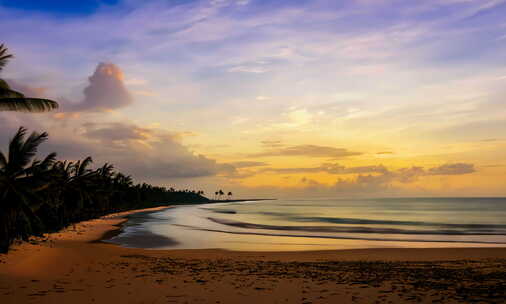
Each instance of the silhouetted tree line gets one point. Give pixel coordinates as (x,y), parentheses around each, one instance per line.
(39,196)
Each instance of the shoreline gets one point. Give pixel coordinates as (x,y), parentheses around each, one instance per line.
(109,234)
(380,253)
(241,200)
(76,265)
(183,236)
(117,229)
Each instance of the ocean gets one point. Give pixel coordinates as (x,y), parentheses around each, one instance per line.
(322,224)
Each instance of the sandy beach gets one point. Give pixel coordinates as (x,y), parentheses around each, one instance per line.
(74,266)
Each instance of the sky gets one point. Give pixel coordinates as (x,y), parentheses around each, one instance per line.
(270,98)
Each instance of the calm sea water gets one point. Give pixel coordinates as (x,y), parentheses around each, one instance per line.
(316,224)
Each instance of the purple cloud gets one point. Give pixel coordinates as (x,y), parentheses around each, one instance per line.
(106,90)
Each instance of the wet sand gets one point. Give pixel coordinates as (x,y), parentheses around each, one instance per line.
(73,267)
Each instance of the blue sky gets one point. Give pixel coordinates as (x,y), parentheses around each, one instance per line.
(58,7)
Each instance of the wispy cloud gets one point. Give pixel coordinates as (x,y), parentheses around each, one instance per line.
(248,164)
(407,174)
(308,151)
(330,168)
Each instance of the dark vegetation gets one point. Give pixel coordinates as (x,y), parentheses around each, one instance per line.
(38,196)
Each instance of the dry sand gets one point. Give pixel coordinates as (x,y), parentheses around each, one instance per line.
(72,267)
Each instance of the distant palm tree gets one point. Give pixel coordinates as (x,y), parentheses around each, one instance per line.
(123,180)
(11,100)
(220,193)
(216,195)
(229,195)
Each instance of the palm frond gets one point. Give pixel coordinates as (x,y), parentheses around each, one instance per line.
(21,151)
(68,167)
(48,161)
(106,170)
(11,100)
(15,147)
(30,146)
(4,56)
(37,174)
(7,92)
(3,161)
(128,180)
(27,104)
(82,169)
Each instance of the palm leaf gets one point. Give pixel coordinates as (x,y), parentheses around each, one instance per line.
(106,171)
(11,100)
(4,56)
(15,146)
(82,169)
(45,164)
(7,92)
(27,104)
(21,151)
(3,161)
(29,148)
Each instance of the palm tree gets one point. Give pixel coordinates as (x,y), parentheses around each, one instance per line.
(21,179)
(123,180)
(11,100)
(229,195)
(76,183)
(15,168)
(220,193)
